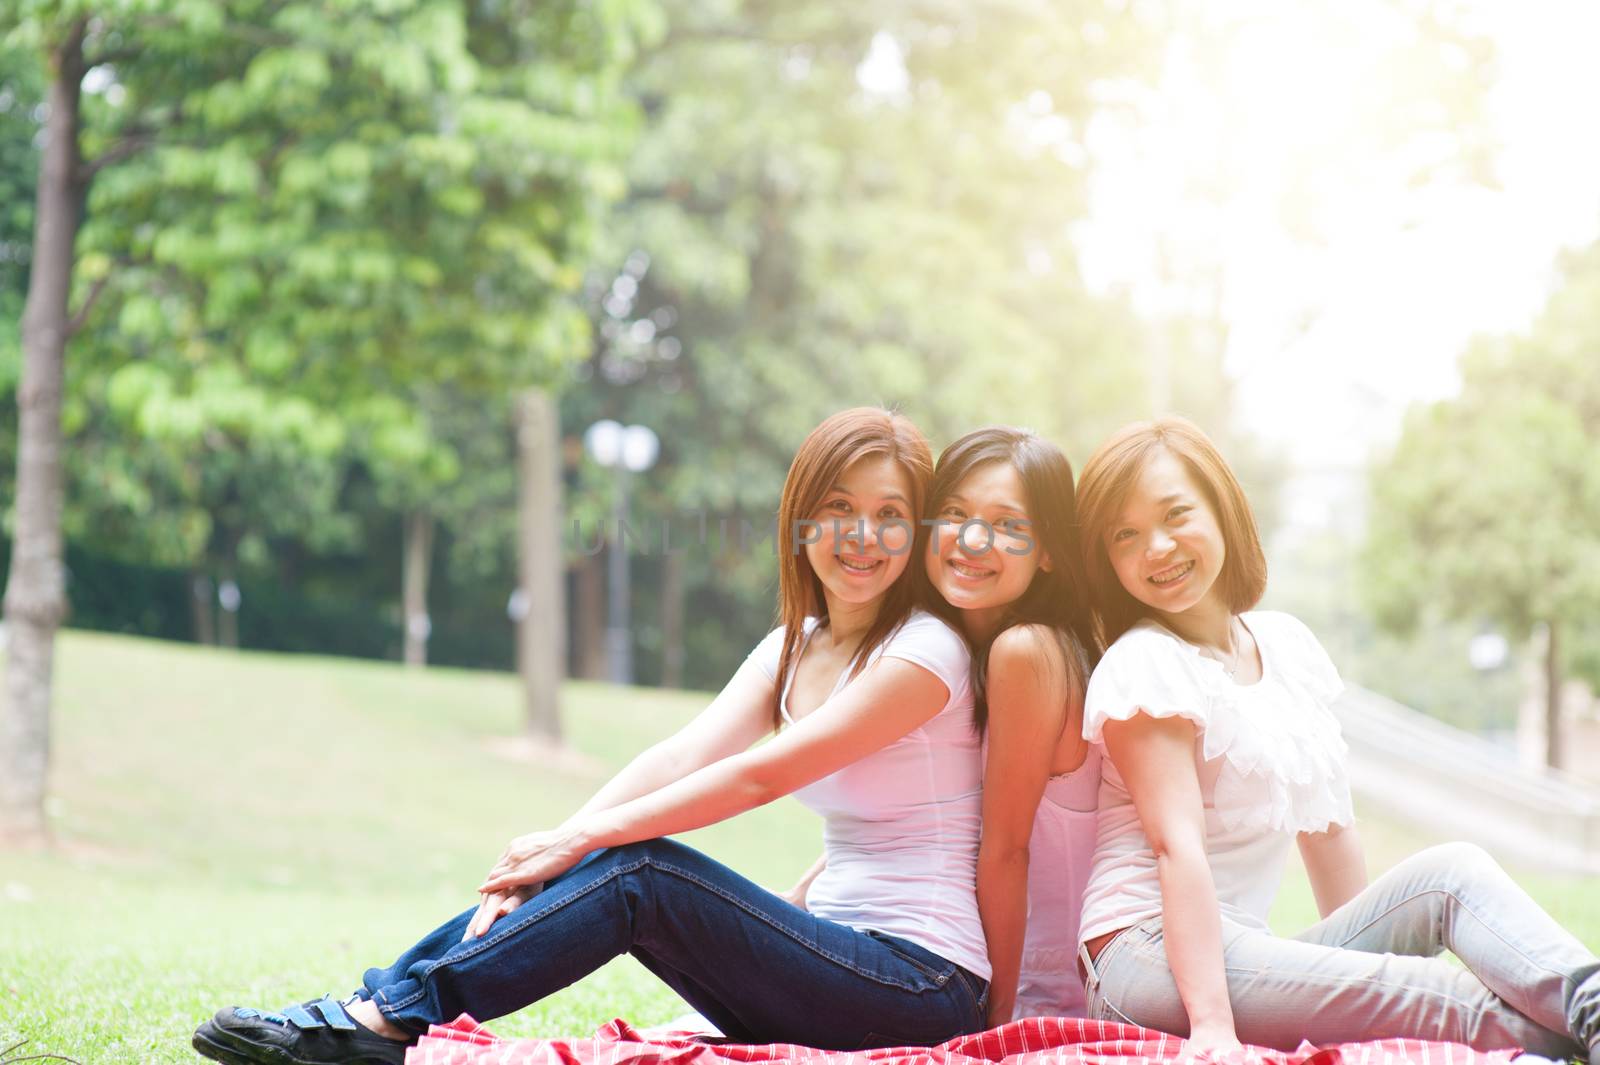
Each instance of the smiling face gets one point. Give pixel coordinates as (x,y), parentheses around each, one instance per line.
(1165,544)
(983,555)
(863,533)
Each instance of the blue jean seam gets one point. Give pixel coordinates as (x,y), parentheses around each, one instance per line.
(386,1006)
(814,948)
(510,929)
(891,943)
(961,978)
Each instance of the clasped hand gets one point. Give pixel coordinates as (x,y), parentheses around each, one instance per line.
(520,872)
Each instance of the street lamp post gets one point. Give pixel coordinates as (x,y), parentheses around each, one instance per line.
(628,450)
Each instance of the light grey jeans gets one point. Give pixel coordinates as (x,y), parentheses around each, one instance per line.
(1370,971)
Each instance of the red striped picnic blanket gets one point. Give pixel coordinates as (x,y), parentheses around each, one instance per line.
(1033,1041)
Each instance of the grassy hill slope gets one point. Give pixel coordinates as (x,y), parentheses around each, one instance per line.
(251,828)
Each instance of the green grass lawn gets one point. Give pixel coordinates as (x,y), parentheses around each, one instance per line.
(247,828)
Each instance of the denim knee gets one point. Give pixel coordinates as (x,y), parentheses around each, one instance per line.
(644,852)
(610,856)
(1460,862)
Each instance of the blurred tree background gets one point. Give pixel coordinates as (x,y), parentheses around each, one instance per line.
(21,85)
(1487,513)
(332,242)
(328,243)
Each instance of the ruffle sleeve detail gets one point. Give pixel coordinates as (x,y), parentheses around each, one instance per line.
(1282,755)
(1308,657)
(1147,671)
(1289,737)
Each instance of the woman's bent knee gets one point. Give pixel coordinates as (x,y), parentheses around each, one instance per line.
(1460,862)
(645,851)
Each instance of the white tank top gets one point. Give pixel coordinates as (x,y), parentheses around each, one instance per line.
(1060,854)
(900,825)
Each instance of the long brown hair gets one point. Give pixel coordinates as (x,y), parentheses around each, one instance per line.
(1111,473)
(843,439)
(1058,597)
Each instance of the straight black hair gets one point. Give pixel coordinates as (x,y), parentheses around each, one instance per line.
(1058,597)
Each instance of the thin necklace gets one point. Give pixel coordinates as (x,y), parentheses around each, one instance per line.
(1233,653)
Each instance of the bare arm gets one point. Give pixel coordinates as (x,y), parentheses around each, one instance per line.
(1029,702)
(891,697)
(1335,865)
(1156,759)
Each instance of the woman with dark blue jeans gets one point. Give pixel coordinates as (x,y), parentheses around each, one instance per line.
(872,707)
(735,952)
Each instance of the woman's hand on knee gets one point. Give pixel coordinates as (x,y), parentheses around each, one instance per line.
(521,872)
(534,858)
(495,905)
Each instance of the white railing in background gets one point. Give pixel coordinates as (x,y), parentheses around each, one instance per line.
(1419,769)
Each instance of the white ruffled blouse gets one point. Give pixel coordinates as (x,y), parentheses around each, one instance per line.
(1269,756)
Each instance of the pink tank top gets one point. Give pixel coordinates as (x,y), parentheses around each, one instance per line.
(1060,852)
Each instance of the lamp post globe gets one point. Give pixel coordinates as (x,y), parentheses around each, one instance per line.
(603,441)
(640,446)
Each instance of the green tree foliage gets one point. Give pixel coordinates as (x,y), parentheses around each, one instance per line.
(1489,508)
(296,209)
(843,204)
(330,233)
(850,204)
(1426,666)
(364,204)
(855,203)
(336,212)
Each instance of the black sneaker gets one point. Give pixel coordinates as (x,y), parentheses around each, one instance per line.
(318,1032)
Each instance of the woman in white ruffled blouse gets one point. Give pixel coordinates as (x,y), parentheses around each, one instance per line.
(1223,750)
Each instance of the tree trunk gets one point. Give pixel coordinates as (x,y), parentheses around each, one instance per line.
(229,600)
(35,597)
(1552,699)
(672,592)
(418,552)
(225,541)
(541,633)
(590,623)
(202,599)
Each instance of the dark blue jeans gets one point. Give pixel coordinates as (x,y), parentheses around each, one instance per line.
(761,970)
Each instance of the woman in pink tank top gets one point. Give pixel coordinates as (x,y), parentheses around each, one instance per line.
(1005,560)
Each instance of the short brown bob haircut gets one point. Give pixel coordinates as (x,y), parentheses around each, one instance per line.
(1103,486)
